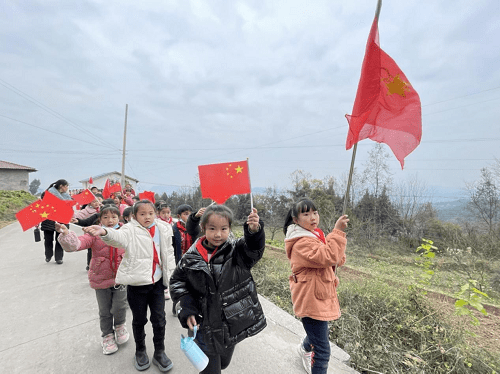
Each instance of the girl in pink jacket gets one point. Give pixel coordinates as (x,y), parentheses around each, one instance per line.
(313,259)
(111,298)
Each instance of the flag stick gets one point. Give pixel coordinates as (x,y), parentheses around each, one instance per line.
(349,180)
(250,183)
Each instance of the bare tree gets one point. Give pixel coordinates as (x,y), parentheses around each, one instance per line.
(376,174)
(484,200)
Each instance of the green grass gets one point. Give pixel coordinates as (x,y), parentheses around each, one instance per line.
(386,328)
(13,201)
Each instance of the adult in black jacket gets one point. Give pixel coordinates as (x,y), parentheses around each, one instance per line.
(215,286)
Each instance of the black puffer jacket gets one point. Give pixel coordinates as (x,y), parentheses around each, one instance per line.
(221,294)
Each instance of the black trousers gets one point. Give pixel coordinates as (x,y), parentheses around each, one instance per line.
(140,298)
(48,237)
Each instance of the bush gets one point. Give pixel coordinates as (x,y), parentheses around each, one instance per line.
(13,201)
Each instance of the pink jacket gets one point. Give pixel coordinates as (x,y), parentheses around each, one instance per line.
(313,284)
(85,213)
(105,259)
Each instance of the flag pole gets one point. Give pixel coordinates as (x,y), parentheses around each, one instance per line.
(349,180)
(250,183)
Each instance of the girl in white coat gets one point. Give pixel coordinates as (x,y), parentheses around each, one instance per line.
(145,270)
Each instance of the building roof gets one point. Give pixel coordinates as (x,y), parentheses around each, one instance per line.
(111,172)
(12,166)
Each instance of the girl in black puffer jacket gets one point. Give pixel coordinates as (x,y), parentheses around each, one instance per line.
(214,286)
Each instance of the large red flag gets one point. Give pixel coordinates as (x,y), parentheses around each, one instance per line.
(106,194)
(31,215)
(56,209)
(84,197)
(387,108)
(147,195)
(115,188)
(220,181)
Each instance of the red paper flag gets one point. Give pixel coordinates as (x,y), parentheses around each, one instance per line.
(115,188)
(147,195)
(220,181)
(31,215)
(56,209)
(106,194)
(387,108)
(91,181)
(84,197)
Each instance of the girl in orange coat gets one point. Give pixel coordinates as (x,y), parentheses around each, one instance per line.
(313,283)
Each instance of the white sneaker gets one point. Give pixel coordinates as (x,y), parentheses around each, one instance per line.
(307,357)
(109,344)
(122,334)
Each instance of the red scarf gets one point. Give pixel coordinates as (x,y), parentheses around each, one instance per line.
(169,221)
(186,239)
(202,250)
(156,260)
(319,234)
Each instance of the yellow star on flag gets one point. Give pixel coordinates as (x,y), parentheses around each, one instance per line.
(239,169)
(44,214)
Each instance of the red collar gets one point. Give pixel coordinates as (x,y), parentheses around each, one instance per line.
(202,250)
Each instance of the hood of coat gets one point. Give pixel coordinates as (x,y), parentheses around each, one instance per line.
(293,233)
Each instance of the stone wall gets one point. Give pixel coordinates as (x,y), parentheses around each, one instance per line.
(14,180)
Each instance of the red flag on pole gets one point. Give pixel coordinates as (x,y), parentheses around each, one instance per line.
(147,195)
(387,108)
(106,194)
(57,209)
(220,181)
(84,197)
(115,188)
(91,181)
(31,215)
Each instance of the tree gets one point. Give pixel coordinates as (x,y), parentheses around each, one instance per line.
(34,185)
(376,173)
(275,206)
(485,199)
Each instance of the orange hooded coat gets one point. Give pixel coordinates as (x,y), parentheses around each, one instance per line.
(313,282)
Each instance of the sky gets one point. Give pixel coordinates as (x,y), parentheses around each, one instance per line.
(220,81)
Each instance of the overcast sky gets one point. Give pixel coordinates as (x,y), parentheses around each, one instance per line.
(219,81)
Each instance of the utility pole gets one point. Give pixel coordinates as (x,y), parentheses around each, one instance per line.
(124,145)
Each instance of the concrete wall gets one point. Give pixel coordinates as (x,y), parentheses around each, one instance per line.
(14,180)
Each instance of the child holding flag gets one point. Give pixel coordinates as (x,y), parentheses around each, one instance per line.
(214,287)
(112,300)
(313,283)
(147,242)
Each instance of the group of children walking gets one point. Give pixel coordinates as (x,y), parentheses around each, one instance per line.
(146,257)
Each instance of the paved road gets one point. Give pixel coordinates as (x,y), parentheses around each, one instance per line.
(49,322)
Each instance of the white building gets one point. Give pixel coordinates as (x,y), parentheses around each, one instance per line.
(114,176)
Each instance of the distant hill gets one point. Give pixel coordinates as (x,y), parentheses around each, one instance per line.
(451,211)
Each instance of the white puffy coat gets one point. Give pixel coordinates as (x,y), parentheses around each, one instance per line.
(136,267)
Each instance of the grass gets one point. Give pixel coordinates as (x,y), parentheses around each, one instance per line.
(13,201)
(386,326)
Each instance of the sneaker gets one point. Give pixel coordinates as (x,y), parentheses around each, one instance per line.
(109,344)
(167,294)
(307,357)
(47,259)
(59,262)
(122,334)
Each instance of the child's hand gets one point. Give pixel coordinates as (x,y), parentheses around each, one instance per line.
(73,220)
(62,229)
(191,322)
(94,230)
(341,223)
(253,221)
(200,212)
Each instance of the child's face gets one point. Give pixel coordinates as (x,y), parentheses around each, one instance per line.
(95,204)
(145,215)
(308,220)
(117,201)
(109,219)
(94,190)
(217,230)
(184,216)
(165,213)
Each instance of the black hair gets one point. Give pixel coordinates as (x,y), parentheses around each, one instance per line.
(142,202)
(109,209)
(127,212)
(108,202)
(94,187)
(137,198)
(183,208)
(161,204)
(59,183)
(300,206)
(220,210)
(99,195)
